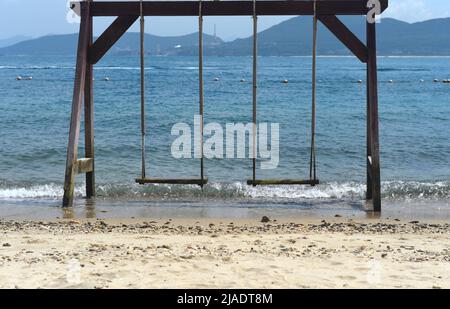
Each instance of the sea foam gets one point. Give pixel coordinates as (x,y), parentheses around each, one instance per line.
(238,191)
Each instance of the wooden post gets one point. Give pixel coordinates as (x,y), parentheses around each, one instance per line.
(77,101)
(89,116)
(201,91)
(369,143)
(255,91)
(373,159)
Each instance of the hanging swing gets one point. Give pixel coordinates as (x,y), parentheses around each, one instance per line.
(313,181)
(144,180)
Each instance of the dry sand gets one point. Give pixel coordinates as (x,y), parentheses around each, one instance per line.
(224,254)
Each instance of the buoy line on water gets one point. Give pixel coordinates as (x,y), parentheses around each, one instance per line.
(284,81)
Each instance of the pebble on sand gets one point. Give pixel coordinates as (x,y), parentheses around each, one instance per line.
(265,219)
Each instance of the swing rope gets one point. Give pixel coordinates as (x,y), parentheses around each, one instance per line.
(201,92)
(143,128)
(313,173)
(143,180)
(312,165)
(255,87)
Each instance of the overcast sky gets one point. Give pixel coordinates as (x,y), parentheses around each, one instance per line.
(37,18)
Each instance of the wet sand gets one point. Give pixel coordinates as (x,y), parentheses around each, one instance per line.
(224,253)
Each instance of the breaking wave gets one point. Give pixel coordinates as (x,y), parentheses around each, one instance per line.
(238,192)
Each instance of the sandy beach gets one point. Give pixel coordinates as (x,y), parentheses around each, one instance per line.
(221,253)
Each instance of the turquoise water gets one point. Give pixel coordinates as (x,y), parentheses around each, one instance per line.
(414,128)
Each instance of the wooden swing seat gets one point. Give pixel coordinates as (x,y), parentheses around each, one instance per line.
(199,182)
(275,182)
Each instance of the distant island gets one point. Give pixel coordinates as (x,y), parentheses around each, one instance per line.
(13,40)
(289,38)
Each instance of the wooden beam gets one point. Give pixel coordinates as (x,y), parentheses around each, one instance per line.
(372,84)
(111,35)
(345,36)
(77,101)
(368,142)
(233,8)
(84,166)
(89,119)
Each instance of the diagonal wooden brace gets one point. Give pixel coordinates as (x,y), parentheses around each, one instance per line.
(345,36)
(111,35)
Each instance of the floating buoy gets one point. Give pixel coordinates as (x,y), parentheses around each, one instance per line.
(360,81)
(422,81)
(436,80)
(391,81)
(107,79)
(285,81)
(24,78)
(216,79)
(243,80)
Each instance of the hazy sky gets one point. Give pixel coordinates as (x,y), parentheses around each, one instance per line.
(41,17)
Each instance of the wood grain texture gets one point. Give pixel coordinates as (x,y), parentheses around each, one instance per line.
(89,118)
(77,102)
(373,129)
(111,35)
(344,35)
(232,8)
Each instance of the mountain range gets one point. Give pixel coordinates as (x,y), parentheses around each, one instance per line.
(289,38)
(13,40)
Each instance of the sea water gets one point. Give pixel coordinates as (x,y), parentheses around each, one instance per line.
(414,132)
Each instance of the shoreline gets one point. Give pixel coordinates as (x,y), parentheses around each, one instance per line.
(221,253)
(275,222)
(45,209)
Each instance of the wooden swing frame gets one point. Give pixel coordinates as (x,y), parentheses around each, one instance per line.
(127,13)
